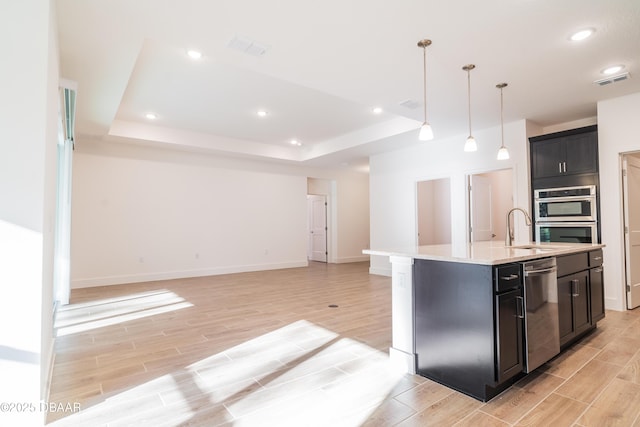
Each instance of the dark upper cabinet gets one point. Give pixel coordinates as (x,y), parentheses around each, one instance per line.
(565,153)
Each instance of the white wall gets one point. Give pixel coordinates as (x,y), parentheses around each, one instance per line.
(393,178)
(618,132)
(501,201)
(146,214)
(433,215)
(28,119)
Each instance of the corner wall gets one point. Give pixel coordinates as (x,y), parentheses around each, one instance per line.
(142,213)
(28,119)
(618,132)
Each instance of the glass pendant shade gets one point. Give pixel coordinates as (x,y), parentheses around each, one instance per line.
(426,133)
(470,144)
(503,153)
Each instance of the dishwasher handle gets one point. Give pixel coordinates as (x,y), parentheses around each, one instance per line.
(530,273)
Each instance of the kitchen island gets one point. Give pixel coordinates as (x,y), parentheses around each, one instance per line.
(458,315)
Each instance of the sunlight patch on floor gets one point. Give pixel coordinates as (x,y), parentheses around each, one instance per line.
(291,376)
(81,317)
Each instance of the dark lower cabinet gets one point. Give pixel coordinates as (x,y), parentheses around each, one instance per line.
(573,305)
(468,333)
(469,319)
(596,282)
(580,294)
(509,331)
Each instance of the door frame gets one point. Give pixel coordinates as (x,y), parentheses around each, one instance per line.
(468,200)
(442,179)
(310,220)
(328,188)
(625,223)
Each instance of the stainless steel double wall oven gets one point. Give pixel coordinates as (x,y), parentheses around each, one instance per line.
(566,214)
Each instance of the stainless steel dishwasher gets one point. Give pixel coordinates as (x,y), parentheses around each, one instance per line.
(542,334)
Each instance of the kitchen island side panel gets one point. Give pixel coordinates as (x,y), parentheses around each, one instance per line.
(454,325)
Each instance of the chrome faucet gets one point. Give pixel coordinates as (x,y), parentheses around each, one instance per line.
(509,237)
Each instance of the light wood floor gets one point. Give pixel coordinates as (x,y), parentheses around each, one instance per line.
(266,349)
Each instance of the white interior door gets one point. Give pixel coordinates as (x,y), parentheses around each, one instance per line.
(631,183)
(317,206)
(480,201)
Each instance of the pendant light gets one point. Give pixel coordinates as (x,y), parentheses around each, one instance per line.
(426,133)
(470,144)
(503,153)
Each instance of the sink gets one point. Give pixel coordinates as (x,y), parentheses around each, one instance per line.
(537,247)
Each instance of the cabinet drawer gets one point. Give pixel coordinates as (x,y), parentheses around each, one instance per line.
(570,264)
(595,258)
(507,277)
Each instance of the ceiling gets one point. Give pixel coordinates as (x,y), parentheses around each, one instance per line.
(326,64)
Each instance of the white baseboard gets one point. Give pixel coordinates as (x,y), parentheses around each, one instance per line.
(402,361)
(150,277)
(615,304)
(380,271)
(346,260)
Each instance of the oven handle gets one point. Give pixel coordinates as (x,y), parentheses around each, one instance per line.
(591,198)
(569,223)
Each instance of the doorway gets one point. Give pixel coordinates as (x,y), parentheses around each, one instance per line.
(490,198)
(320,217)
(631,209)
(62,233)
(434,212)
(317,220)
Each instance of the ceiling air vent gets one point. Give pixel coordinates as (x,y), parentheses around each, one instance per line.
(613,79)
(246,45)
(409,103)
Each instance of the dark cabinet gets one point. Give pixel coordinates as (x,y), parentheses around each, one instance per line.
(564,153)
(580,294)
(509,335)
(468,326)
(596,285)
(573,305)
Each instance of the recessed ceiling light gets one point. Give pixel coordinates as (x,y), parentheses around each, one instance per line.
(295,142)
(262,113)
(582,34)
(151,116)
(194,54)
(377,110)
(612,70)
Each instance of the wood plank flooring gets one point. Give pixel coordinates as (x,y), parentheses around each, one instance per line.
(267,349)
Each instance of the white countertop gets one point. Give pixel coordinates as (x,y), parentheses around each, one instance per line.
(488,253)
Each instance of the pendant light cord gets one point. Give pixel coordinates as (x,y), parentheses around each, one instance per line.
(469,96)
(501,118)
(424,51)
